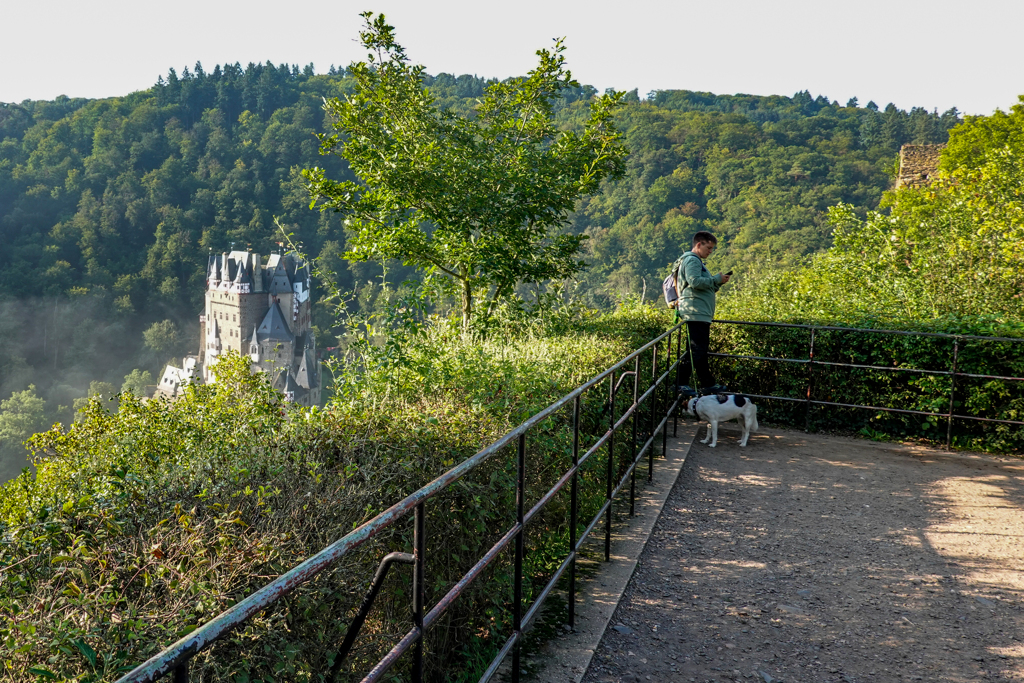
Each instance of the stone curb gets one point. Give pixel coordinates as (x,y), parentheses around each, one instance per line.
(567,657)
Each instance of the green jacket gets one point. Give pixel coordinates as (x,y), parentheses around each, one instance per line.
(698,287)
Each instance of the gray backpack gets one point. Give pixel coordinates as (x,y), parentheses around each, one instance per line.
(670,285)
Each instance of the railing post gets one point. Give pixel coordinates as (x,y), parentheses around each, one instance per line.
(654,411)
(952,394)
(666,400)
(181,673)
(517,605)
(632,452)
(611,467)
(573,514)
(419,541)
(679,370)
(810,384)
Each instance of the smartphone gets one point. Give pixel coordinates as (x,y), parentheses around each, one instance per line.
(729,273)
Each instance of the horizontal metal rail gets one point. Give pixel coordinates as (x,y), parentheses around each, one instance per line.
(811,362)
(872,330)
(176,657)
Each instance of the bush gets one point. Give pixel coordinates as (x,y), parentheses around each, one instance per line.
(142,524)
(995,399)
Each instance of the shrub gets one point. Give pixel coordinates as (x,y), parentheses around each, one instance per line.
(994,399)
(140,525)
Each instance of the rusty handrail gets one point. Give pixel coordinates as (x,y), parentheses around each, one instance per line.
(953,373)
(175,658)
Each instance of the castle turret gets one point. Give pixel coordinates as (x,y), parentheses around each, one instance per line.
(254,347)
(257,274)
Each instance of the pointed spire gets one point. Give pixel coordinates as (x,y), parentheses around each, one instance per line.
(302,375)
(280,283)
(274,327)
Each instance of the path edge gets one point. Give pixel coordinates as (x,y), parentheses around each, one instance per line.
(568,657)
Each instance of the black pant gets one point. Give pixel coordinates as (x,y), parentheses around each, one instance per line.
(700,342)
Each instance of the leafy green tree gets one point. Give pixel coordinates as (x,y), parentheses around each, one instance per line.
(21,416)
(137,382)
(474,198)
(100,391)
(971,142)
(162,337)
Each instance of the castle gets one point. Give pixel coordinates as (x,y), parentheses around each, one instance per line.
(260,311)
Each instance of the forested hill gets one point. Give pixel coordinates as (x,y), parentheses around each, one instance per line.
(110,207)
(126,196)
(758,171)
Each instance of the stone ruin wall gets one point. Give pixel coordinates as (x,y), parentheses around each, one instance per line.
(918,165)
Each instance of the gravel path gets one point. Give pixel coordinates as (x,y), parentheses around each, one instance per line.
(810,558)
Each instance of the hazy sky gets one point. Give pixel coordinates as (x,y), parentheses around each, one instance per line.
(934,53)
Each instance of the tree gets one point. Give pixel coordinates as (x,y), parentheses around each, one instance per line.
(101,391)
(136,382)
(21,416)
(475,198)
(971,143)
(163,337)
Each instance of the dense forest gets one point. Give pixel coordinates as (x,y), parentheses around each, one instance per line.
(109,208)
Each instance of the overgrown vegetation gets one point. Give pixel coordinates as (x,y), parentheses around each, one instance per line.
(944,258)
(143,523)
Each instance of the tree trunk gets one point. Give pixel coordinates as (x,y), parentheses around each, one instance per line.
(467,299)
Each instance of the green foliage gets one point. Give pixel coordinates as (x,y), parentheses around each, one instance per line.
(137,382)
(110,208)
(162,337)
(951,251)
(102,392)
(945,258)
(993,399)
(972,143)
(760,172)
(141,524)
(21,416)
(475,198)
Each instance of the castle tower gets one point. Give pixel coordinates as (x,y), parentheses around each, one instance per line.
(263,312)
(918,165)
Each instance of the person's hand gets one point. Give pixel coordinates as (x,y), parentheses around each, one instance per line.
(724,277)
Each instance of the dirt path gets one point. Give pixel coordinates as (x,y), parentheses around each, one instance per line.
(808,558)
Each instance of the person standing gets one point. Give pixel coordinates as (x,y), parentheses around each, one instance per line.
(696,307)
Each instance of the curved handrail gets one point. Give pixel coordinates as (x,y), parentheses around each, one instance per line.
(185,648)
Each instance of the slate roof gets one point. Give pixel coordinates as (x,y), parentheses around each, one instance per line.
(306,375)
(274,327)
(242,277)
(280,283)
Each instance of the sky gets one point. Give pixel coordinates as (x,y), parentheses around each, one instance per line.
(936,54)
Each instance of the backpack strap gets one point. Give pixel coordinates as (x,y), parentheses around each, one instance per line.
(680,272)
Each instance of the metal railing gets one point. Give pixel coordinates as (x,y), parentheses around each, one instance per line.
(811,362)
(663,401)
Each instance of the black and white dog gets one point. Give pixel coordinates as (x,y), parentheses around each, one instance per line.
(717,408)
